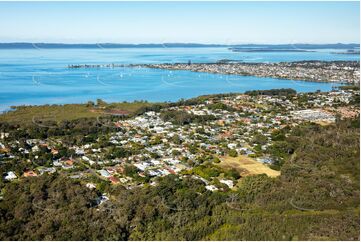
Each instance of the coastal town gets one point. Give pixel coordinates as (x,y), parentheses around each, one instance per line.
(316,71)
(201,139)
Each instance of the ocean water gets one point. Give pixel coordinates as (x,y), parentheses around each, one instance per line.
(40,76)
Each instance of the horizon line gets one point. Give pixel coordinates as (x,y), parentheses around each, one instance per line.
(194,43)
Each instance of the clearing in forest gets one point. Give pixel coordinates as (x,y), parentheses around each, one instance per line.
(247,166)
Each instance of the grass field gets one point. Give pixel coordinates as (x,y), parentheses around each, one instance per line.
(27,114)
(323,123)
(247,166)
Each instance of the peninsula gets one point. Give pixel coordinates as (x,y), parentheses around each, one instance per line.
(316,71)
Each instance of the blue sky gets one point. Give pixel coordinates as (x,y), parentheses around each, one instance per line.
(201,22)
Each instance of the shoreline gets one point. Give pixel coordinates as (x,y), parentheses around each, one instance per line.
(14,108)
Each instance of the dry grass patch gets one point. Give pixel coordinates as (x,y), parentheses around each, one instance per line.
(247,166)
(323,123)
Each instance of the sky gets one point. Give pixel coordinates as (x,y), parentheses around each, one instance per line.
(181,22)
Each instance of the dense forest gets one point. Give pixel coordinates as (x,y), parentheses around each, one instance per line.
(315,198)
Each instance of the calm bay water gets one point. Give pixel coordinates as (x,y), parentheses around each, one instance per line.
(41,76)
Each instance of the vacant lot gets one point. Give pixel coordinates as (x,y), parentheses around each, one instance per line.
(247,166)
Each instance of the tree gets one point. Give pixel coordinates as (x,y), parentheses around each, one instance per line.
(233,173)
(260,139)
(90,104)
(232,153)
(101,103)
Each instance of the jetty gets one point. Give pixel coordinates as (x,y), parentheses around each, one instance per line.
(112,65)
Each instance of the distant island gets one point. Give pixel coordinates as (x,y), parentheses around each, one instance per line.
(348,52)
(267,50)
(27,45)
